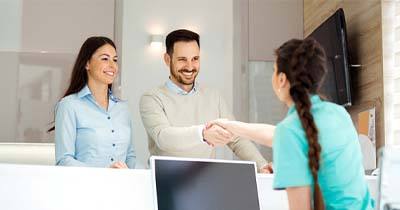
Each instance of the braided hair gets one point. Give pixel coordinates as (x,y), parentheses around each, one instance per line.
(303,62)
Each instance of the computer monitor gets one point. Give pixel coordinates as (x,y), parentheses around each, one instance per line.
(204,184)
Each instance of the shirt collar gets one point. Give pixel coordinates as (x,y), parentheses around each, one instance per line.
(315,99)
(176,89)
(86,91)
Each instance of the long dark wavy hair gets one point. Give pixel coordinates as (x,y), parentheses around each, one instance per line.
(304,63)
(79,76)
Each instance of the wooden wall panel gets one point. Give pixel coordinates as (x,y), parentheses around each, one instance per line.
(364,31)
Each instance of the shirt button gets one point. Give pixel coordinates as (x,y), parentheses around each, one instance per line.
(113,145)
(112,159)
(108,117)
(112,131)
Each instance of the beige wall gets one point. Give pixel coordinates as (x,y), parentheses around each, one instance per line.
(271,23)
(364,30)
(62,26)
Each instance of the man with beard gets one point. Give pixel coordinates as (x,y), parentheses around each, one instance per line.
(174,114)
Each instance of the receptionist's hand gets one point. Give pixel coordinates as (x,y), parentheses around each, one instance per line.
(119,165)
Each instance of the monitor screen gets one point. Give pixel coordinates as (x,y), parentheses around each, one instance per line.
(196,184)
(331,34)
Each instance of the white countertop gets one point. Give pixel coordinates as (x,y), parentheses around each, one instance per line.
(32,187)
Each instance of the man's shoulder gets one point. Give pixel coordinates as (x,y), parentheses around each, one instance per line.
(208,91)
(153,96)
(154,91)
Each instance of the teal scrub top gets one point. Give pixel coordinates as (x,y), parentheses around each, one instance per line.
(341,173)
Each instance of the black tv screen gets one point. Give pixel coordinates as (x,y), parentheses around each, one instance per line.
(190,184)
(331,34)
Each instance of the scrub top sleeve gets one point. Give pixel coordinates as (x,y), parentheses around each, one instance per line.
(290,153)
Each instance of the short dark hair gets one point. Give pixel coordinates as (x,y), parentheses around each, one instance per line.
(178,36)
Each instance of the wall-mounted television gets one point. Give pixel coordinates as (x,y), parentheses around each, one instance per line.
(331,34)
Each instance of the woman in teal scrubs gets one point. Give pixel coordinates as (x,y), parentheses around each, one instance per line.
(317,156)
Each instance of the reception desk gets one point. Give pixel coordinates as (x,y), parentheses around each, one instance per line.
(30,187)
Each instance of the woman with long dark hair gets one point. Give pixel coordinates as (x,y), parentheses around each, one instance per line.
(92,126)
(316,154)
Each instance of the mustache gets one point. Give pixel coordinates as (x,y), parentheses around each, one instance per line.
(187,70)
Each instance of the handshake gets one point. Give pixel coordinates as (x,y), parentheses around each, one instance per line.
(221,131)
(214,134)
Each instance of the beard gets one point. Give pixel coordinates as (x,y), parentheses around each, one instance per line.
(179,78)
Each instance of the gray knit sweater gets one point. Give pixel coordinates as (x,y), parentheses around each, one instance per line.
(173,123)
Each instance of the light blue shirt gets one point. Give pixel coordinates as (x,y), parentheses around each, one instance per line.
(176,89)
(341,174)
(88,135)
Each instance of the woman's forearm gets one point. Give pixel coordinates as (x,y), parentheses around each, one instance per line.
(260,133)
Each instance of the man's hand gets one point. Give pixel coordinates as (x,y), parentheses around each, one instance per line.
(119,165)
(220,122)
(267,169)
(215,135)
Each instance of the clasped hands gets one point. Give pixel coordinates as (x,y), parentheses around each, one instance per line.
(216,135)
(220,132)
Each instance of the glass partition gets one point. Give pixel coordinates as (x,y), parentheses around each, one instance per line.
(38,45)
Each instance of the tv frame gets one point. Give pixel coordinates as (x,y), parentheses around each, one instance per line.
(339,17)
(153,173)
